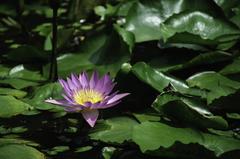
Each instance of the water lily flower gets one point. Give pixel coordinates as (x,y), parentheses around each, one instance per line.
(85,95)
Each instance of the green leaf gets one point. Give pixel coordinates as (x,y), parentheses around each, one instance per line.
(105,12)
(64,36)
(107,152)
(227,6)
(215,83)
(20,71)
(7,9)
(235,19)
(114,130)
(188,111)
(6,141)
(220,144)
(201,24)
(232,68)
(233,116)
(123,8)
(81,9)
(18,83)
(4,71)
(97,53)
(19,129)
(145,16)
(58,149)
(153,135)
(51,90)
(168,62)
(159,80)
(48,43)
(20,77)
(14,151)
(83,149)
(127,37)
(10,106)
(27,54)
(143,117)
(12,92)
(43,29)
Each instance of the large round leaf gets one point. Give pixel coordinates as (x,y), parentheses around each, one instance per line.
(153,135)
(16,151)
(198,24)
(115,130)
(145,16)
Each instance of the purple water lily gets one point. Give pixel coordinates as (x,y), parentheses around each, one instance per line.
(85,95)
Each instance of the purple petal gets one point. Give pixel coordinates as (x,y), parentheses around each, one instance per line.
(59,102)
(109,105)
(74,109)
(104,102)
(107,98)
(65,87)
(68,99)
(70,84)
(83,78)
(75,81)
(109,88)
(90,116)
(100,85)
(93,80)
(117,97)
(88,104)
(107,79)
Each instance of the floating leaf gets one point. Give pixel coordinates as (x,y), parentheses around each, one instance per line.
(115,130)
(188,110)
(107,152)
(159,80)
(20,77)
(153,135)
(14,151)
(215,83)
(200,24)
(51,90)
(10,106)
(12,92)
(28,54)
(143,117)
(83,149)
(96,53)
(145,16)
(232,68)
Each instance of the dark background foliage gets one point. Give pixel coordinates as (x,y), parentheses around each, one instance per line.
(179,59)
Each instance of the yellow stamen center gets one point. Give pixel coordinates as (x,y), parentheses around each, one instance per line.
(87,95)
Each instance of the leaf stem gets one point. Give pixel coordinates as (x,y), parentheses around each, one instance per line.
(53,73)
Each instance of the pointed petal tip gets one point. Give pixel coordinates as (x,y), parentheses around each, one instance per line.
(117,97)
(53,101)
(90,116)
